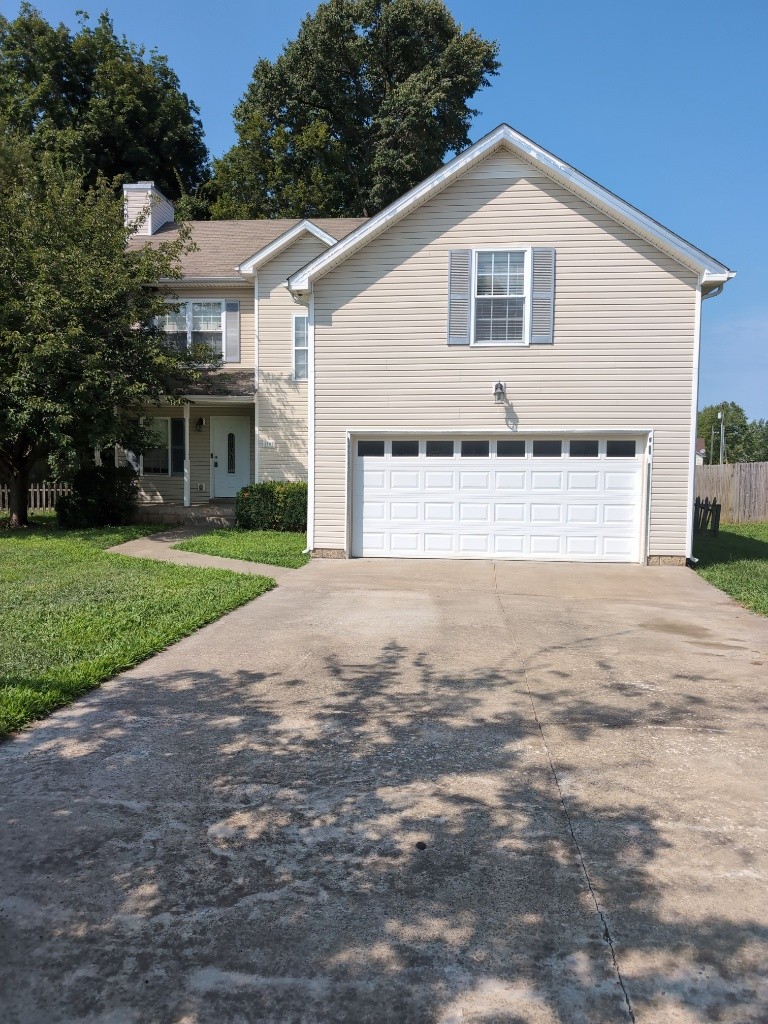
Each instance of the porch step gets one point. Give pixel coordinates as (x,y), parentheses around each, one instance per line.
(213,514)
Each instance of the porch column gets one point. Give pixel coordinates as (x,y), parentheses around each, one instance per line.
(187,473)
(256,440)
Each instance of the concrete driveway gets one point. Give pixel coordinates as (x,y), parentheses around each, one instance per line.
(405,792)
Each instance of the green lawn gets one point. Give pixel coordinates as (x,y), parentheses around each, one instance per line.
(270,547)
(73,614)
(736,561)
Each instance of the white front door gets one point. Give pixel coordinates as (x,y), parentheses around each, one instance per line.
(230,455)
(538,498)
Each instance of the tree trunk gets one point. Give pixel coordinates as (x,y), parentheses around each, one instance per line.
(18,497)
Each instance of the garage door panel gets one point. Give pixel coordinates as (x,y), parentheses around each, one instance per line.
(582,481)
(474,512)
(508,545)
(439,512)
(439,543)
(405,480)
(404,543)
(439,480)
(481,507)
(509,512)
(374,511)
(546,481)
(474,543)
(474,481)
(404,511)
(510,481)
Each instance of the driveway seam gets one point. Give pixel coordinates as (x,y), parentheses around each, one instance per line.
(606,930)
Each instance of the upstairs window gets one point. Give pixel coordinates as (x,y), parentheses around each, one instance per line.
(300,347)
(501,298)
(214,323)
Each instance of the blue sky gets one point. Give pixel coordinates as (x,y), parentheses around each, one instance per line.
(664,103)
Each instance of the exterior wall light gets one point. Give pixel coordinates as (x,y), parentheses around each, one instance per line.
(499,392)
(199,424)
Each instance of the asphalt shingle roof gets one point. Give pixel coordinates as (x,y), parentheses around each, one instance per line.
(223,245)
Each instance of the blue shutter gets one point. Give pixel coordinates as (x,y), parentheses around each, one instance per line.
(232,340)
(543,297)
(459,301)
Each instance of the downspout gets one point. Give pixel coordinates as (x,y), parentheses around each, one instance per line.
(690,560)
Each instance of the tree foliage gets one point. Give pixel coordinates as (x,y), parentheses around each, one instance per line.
(100,101)
(79,352)
(745,440)
(361,106)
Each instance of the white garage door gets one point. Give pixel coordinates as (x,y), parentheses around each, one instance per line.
(540,498)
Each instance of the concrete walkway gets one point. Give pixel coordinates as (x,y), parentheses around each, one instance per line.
(405,793)
(159,546)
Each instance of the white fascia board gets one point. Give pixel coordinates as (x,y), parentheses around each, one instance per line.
(269,251)
(706,266)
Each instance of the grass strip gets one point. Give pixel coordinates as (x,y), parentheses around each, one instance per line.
(270,547)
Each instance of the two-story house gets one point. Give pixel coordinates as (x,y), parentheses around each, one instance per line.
(501,364)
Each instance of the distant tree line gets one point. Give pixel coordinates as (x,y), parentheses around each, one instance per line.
(745,440)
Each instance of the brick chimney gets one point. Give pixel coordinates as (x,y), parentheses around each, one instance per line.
(147,207)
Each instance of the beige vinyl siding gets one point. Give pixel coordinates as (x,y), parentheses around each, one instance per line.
(245,297)
(282,401)
(622,357)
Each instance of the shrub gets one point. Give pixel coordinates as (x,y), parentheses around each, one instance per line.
(273,505)
(101,496)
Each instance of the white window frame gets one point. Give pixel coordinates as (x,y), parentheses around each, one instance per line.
(187,303)
(527,293)
(300,348)
(168,439)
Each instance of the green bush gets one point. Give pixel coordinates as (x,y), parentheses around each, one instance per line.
(272,505)
(101,496)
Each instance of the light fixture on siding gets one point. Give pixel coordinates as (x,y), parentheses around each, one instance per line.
(199,424)
(499,392)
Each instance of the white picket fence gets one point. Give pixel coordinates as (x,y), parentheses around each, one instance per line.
(42,496)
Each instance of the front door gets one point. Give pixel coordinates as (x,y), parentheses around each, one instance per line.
(230,455)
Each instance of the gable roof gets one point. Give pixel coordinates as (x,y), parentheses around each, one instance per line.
(710,270)
(224,245)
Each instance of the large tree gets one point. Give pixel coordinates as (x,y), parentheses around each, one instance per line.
(361,106)
(101,101)
(79,352)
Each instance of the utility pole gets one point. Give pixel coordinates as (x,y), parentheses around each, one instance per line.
(712,446)
(721,418)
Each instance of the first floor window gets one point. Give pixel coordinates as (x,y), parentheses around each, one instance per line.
(500,297)
(195,322)
(166,458)
(300,348)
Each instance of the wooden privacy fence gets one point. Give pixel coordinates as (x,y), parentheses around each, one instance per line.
(741,489)
(41,496)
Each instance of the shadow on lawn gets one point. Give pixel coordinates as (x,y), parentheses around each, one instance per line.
(730,546)
(376,840)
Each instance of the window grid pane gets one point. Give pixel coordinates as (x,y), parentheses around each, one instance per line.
(300,366)
(584,449)
(370,448)
(620,449)
(440,449)
(405,449)
(155,459)
(175,326)
(206,325)
(510,449)
(547,449)
(475,449)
